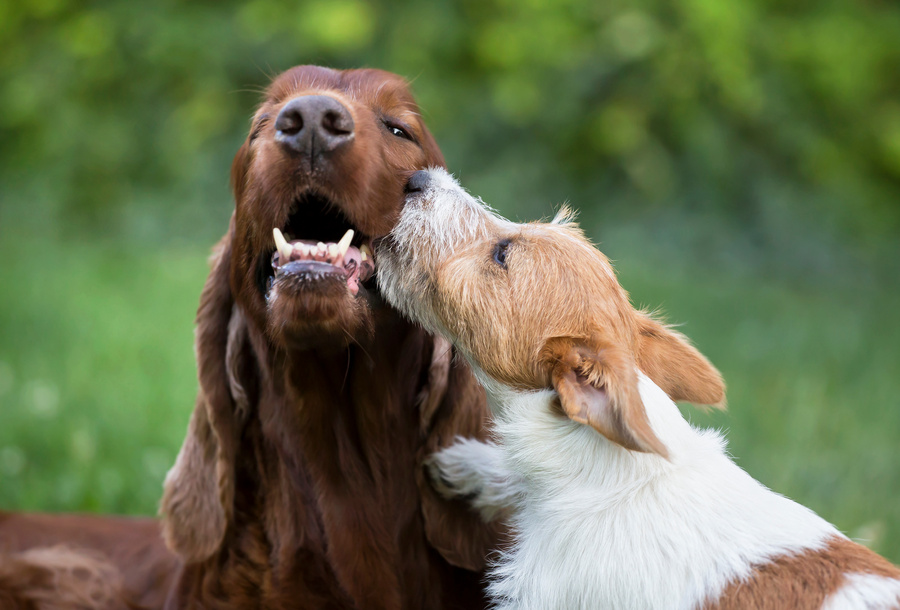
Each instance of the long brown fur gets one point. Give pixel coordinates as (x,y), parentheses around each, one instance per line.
(300,482)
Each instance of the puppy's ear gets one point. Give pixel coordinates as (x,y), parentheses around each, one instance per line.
(669,359)
(597,386)
(198,493)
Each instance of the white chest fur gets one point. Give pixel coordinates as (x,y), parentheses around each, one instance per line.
(603,527)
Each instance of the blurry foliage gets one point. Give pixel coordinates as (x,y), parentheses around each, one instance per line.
(123,115)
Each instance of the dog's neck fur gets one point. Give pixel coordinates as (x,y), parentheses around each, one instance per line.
(664,533)
(330,508)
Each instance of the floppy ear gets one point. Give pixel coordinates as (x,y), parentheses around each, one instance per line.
(198,492)
(669,359)
(453,404)
(239,166)
(432,395)
(597,386)
(193,516)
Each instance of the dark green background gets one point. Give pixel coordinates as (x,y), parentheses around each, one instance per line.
(740,161)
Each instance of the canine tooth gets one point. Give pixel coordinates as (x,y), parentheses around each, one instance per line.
(365,253)
(344,244)
(284,248)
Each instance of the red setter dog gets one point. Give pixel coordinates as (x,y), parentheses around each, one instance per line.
(300,482)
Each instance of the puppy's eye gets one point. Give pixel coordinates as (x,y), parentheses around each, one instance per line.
(398,131)
(500,251)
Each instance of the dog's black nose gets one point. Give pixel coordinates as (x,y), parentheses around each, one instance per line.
(418,182)
(313,124)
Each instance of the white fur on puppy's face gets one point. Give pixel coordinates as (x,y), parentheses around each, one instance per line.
(432,225)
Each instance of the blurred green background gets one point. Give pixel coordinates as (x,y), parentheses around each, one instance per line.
(740,161)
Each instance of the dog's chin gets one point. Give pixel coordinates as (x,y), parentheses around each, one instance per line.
(320,313)
(317,282)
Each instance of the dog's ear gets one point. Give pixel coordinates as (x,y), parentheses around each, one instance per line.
(452,404)
(669,359)
(193,516)
(438,378)
(198,493)
(597,385)
(239,166)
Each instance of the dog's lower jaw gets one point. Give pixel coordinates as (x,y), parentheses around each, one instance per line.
(324,315)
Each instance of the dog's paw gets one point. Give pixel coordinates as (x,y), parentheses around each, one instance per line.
(473,472)
(452,479)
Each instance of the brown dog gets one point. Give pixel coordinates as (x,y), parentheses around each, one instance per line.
(299,483)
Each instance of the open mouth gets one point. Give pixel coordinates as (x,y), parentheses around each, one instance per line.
(319,244)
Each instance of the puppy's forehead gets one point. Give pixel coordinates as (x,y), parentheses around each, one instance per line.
(562,258)
(558,239)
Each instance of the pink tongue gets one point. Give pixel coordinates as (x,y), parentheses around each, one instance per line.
(358,270)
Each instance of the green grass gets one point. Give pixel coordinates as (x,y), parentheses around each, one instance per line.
(97,377)
(813,376)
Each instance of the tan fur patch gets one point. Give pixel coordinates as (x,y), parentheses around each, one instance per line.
(802,581)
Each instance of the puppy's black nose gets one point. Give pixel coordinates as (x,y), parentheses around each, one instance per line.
(313,124)
(418,182)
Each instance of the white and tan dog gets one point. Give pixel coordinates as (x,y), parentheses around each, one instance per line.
(650,512)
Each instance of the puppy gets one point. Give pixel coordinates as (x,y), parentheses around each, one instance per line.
(616,501)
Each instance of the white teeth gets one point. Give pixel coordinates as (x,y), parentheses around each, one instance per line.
(365,253)
(335,253)
(344,244)
(284,248)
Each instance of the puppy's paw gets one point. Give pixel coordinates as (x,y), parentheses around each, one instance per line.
(473,472)
(451,478)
